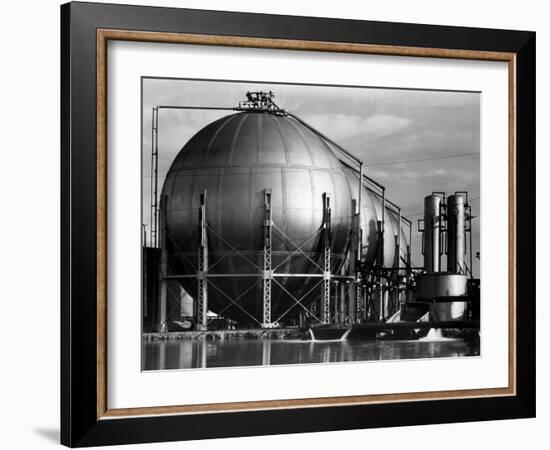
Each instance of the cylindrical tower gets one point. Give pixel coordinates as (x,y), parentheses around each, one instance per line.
(432,233)
(456,233)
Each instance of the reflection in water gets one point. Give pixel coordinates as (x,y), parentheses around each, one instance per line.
(186,354)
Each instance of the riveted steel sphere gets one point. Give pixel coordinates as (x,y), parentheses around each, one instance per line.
(235,159)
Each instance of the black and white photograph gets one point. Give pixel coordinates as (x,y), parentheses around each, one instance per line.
(298,224)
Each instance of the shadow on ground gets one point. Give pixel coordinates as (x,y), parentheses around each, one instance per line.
(50,434)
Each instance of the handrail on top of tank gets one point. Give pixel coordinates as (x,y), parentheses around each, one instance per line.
(338,147)
(393,207)
(216,108)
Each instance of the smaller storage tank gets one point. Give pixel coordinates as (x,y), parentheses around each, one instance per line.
(371,215)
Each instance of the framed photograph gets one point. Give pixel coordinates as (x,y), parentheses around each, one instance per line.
(277,224)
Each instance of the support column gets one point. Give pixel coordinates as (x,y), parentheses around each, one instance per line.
(386,301)
(154,177)
(267,268)
(380,299)
(202,273)
(336,302)
(353,264)
(342,314)
(399,245)
(163,299)
(380,262)
(325,295)
(408,277)
(358,298)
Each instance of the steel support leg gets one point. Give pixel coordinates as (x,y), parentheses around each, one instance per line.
(336,301)
(353,264)
(358,299)
(267,268)
(342,319)
(325,296)
(202,273)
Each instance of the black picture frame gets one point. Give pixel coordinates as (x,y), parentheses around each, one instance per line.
(80,425)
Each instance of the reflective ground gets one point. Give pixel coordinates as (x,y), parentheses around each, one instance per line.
(185,354)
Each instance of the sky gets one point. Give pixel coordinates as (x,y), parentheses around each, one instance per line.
(386,128)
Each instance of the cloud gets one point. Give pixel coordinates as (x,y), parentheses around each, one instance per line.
(339,126)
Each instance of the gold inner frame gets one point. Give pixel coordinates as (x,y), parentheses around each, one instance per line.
(103,36)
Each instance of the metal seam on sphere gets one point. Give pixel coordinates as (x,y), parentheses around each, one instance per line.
(215,135)
(285,148)
(304,140)
(236,138)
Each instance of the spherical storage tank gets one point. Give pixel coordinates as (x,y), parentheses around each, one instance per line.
(235,159)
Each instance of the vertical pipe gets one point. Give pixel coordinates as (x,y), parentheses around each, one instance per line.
(408,290)
(336,302)
(360,212)
(380,300)
(163,306)
(383,211)
(202,273)
(342,302)
(399,244)
(432,233)
(471,257)
(151,201)
(156,175)
(155,224)
(352,292)
(456,234)
(353,261)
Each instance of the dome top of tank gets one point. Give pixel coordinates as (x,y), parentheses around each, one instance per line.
(259,134)
(254,138)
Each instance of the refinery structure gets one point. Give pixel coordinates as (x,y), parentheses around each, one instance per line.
(265,223)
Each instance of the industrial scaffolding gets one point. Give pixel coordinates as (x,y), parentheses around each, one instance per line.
(351,293)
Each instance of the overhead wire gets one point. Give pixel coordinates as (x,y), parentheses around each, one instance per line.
(387,163)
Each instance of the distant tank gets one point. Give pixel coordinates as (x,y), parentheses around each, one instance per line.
(235,159)
(371,214)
